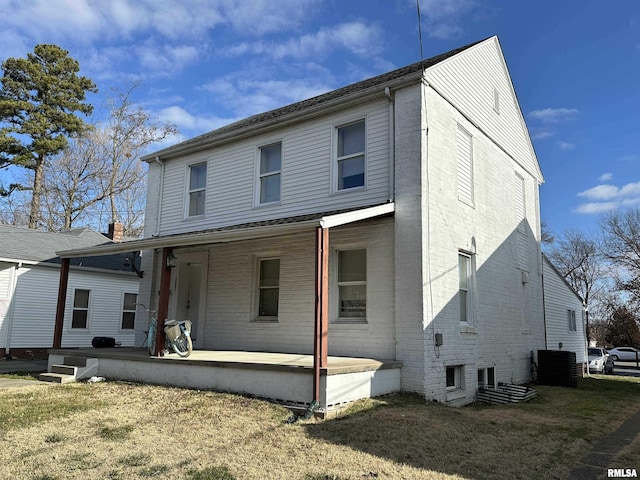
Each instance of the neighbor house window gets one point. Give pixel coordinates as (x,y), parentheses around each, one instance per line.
(571,319)
(464,149)
(454,377)
(129,311)
(269,175)
(352,284)
(268,288)
(350,155)
(80,315)
(197,188)
(465,273)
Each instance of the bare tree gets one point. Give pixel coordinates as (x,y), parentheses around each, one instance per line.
(621,246)
(99,178)
(578,258)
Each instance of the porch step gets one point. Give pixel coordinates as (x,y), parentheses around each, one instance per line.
(73,369)
(56,378)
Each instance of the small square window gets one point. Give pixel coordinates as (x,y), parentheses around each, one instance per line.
(454,377)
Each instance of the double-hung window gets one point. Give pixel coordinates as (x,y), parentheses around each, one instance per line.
(129,311)
(269,175)
(268,288)
(80,315)
(196,190)
(350,155)
(571,320)
(465,287)
(352,284)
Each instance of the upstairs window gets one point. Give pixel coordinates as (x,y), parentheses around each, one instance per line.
(80,315)
(129,311)
(269,175)
(350,155)
(197,188)
(268,288)
(352,284)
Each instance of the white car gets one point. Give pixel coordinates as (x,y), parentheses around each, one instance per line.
(625,354)
(599,360)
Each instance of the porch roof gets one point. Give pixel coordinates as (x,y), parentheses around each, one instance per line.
(245,231)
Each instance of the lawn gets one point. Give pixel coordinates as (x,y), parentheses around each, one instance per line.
(130,431)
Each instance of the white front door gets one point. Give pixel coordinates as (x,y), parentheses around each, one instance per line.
(190,287)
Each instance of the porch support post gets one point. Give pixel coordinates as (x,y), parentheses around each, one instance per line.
(62,299)
(163,297)
(321,330)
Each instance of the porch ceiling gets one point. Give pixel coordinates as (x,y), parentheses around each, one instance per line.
(267,228)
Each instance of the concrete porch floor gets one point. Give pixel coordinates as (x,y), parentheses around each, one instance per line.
(283,377)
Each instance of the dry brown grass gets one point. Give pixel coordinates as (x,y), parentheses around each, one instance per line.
(126,431)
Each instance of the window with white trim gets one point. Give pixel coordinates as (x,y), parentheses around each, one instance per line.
(464,152)
(571,320)
(268,288)
(487,377)
(80,314)
(454,377)
(350,155)
(352,284)
(465,288)
(269,173)
(129,311)
(196,189)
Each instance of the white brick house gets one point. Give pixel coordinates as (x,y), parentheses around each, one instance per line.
(395,218)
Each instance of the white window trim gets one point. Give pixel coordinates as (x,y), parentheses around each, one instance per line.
(188,191)
(470,289)
(88,309)
(335,286)
(485,374)
(259,176)
(256,317)
(335,159)
(122,311)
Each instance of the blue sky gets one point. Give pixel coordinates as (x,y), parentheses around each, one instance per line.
(575,66)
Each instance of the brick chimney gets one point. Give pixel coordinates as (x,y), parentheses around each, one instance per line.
(116,231)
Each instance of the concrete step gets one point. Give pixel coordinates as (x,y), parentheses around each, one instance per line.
(76,361)
(56,378)
(64,369)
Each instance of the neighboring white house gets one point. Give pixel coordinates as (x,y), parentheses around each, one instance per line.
(100,298)
(398,216)
(564,314)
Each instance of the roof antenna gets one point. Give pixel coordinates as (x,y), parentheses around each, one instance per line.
(419,30)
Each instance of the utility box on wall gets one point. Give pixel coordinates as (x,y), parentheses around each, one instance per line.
(557,368)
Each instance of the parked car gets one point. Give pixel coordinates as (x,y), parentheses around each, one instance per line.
(625,354)
(600,361)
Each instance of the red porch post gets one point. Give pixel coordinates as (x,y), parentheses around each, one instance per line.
(320,347)
(163,298)
(62,299)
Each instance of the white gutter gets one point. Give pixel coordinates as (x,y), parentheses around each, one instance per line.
(356,215)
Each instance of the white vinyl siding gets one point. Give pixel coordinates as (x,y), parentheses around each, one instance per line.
(465,165)
(306,179)
(35,301)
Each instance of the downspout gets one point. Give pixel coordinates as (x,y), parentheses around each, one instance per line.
(392,145)
(13,280)
(160,192)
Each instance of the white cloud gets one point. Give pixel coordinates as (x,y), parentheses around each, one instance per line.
(601,192)
(541,134)
(605,177)
(443,18)
(554,115)
(189,123)
(599,207)
(566,146)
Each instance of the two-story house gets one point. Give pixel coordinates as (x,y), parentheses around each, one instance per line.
(396,218)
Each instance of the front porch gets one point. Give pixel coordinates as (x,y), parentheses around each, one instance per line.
(281,377)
